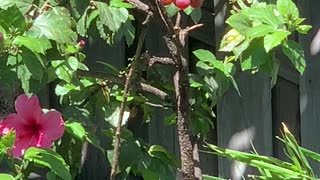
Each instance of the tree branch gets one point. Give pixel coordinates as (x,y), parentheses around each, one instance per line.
(129,78)
(151,60)
(176,43)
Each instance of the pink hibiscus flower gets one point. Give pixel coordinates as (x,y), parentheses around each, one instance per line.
(33,127)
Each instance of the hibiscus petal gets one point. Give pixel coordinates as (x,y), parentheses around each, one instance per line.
(13,121)
(28,107)
(52,125)
(21,145)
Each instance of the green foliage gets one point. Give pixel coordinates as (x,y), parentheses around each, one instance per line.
(113,21)
(266,26)
(7,142)
(6,177)
(41,48)
(50,159)
(269,167)
(54,24)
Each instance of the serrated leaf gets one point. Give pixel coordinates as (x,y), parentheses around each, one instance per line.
(106,17)
(54,24)
(295,53)
(275,39)
(49,159)
(37,45)
(288,9)
(267,15)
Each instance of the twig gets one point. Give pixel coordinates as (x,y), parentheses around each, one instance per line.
(151,60)
(109,80)
(129,77)
(155,91)
(165,18)
(45,5)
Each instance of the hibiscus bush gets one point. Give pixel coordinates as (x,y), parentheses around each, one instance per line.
(42,48)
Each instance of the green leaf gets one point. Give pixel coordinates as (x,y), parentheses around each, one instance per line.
(267,15)
(260,30)
(112,116)
(230,40)
(240,22)
(288,9)
(275,39)
(121,4)
(93,15)
(128,31)
(211,84)
(271,68)
(34,63)
(272,164)
(303,29)
(12,17)
(81,25)
(7,142)
(73,62)
(78,7)
(172,10)
(24,75)
(204,55)
(62,90)
(6,177)
(112,17)
(63,71)
(75,129)
(295,53)
(37,45)
(161,153)
(196,15)
(54,24)
(50,159)
(23,5)
(254,56)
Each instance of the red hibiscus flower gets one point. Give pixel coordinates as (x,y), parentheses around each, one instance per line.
(33,127)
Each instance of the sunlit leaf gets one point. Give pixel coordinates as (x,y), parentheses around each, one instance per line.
(295,53)
(49,159)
